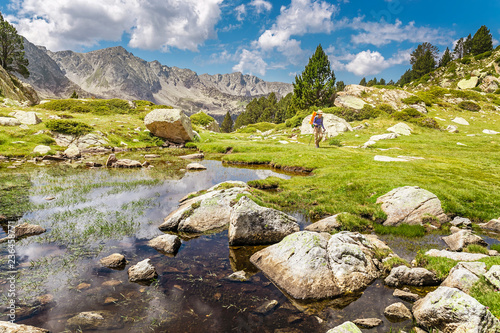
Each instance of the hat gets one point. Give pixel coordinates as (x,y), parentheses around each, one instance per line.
(319,112)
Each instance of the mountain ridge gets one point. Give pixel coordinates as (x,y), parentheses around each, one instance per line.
(116,73)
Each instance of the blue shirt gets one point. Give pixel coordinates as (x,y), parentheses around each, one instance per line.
(318,122)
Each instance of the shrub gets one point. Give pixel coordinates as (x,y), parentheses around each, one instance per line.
(466,60)
(98,106)
(426,122)
(412,100)
(483,55)
(469,106)
(386,108)
(201,119)
(70,127)
(406,114)
(334,142)
(497,91)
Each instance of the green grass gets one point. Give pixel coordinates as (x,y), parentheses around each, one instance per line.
(440,266)
(495,247)
(487,295)
(404,230)
(14,189)
(474,248)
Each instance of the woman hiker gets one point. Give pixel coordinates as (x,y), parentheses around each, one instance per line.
(319,128)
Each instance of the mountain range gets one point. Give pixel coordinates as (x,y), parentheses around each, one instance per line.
(116,73)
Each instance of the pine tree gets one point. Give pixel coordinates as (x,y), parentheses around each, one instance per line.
(423,59)
(227,124)
(11,49)
(405,78)
(372,82)
(446,58)
(362,82)
(482,41)
(316,85)
(74,95)
(468,45)
(382,82)
(459,49)
(391,83)
(340,85)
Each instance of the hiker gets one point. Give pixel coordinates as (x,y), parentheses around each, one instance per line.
(319,128)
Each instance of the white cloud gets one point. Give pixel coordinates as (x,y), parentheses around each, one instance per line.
(372,62)
(240,12)
(382,33)
(261,6)
(251,62)
(153,24)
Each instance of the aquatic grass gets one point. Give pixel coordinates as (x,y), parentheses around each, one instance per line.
(403,230)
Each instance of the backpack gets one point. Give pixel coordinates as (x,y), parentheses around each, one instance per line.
(312,119)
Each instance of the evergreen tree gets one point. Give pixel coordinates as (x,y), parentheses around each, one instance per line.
(391,83)
(423,60)
(372,82)
(227,124)
(482,41)
(74,95)
(459,49)
(281,109)
(11,49)
(362,82)
(340,85)
(446,58)
(405,78)
(468,45)
(382,82)
(316,85)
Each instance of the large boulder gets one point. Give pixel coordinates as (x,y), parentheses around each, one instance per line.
(410,205)
(41,149)
(170,124)
(208,211)
(251,224)
(9,121)
(452,310)
(468,83)
(417,276)
(8,327)
(464,275)
(463,238)
(26,118)
(349,101)
(333,125)
(310,265)
(401,129)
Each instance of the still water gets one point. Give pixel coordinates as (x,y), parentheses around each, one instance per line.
(90,214)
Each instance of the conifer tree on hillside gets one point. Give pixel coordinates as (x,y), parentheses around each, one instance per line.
(227,124)
(382,82)
(372,82)
(423,60)
(12,49)
(391,83)
(362,82)
(340,85)
(446,58)
(459,49)
(316,85)
(482,41)
(468,45)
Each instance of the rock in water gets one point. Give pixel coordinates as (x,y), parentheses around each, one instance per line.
(463,238)
(169,244)
(397,311)
(142,271)
(8,327)
(328,224)
(347,327)
(493,224)
(170,124)
(452,310)
(94,320)
(251,224)
(368,322)
(311,265)
(417,276)
(25,230)
(410,205)
(116,260)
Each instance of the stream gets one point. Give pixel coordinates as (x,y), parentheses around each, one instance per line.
(92,213)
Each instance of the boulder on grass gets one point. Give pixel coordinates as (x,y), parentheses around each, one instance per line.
(411,205)
(251,224)
(27,118)
(333,125)
(452,310)
(464,275)
(170,124)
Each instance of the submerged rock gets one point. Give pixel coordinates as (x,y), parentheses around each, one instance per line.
(347,327)
(463,238)
(94,320)
(251,224)
(310,265)
(115,260)
(267,307)
(168,244)
(411,205)
(142,271)
(417,276)
(208,211)
(368,322)
(8,327)
(24,230)
(452,310)
(406,295)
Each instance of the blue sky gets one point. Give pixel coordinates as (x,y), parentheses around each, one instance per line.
(270,39)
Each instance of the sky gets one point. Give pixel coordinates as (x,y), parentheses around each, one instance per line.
(269,39)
